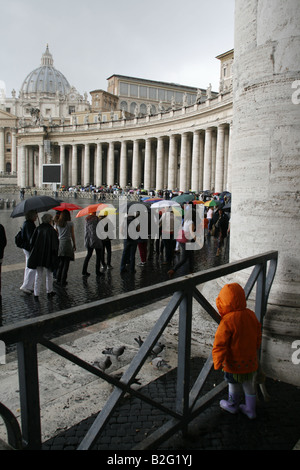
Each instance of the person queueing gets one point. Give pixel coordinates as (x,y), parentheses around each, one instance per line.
(92,242)
(3,242)
(67,246)
(236,348)
(44,255)
(129,230)
(106,241)
(28,229)
(188,236)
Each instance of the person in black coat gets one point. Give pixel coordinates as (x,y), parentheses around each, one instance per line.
(3,242)
(221,223)
(44,255)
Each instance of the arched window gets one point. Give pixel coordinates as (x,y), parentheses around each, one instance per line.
(8,167)
(8,138)
(124,105)
(132,107)
(143,109)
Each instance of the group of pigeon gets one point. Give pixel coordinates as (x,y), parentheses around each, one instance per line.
(157,361)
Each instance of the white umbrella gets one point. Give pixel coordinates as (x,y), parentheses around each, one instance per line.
(164,203)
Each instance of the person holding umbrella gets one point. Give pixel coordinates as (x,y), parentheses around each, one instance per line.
(27,231)
(92,242)
(67,246)
(44,255)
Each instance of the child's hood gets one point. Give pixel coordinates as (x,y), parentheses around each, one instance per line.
(231,298)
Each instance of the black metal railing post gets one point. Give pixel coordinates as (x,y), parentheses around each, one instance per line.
(29,394)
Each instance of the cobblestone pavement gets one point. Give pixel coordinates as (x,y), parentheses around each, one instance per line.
(277,426)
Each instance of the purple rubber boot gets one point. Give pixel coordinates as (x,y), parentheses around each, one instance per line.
(249,409)
(232,404)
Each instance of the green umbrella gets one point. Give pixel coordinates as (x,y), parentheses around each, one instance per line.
(184,198)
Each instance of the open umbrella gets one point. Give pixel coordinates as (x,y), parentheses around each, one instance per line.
(106,211)
(164,203)
(35,203)
(196,201)
(212,203)
(184,198)
(90,209)
(67,206)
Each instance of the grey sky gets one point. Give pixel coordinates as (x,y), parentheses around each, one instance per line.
(165,40)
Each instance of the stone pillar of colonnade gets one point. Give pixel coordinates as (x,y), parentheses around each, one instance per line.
(41,163)
(21,166)
(160,164)
(74,165)
(2,149)
(98,164)
(219,175)
(147,168)
(172,169)
(265,165)
(62,161)
(86,165)
(195,161)
(207,164)
(135,164)
(13,152)
(183,162)
(111,164)
(30,167)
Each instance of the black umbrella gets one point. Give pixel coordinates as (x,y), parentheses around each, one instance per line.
(35,203)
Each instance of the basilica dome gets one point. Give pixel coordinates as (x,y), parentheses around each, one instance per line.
(45,79)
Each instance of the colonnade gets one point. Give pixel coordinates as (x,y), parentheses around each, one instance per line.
(191,160)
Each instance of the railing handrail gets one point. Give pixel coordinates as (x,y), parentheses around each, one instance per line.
(38,326)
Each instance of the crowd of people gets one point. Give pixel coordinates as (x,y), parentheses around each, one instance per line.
(50,246)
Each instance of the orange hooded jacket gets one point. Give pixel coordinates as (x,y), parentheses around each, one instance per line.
(238,336)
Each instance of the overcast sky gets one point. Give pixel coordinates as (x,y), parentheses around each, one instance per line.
(164,40)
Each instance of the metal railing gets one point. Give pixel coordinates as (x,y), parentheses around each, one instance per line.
(29,333)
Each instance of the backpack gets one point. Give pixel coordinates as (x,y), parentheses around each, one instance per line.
(19,239)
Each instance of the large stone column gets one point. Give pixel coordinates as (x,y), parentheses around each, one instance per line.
(147,168)
(98,164)
(13,152)
(123,164)
(207,159)
(160,164)
(74,165)
(195,161)
(265,163)
(111,164)
(2,147)
(62,161)
(21,166)
(86,166)
(135,164)
(41,162)
(183,162)
(220,159)
(172,170)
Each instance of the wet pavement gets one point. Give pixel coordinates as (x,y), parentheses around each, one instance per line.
(18,306)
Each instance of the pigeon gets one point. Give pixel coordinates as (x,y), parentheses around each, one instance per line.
(103,365)
(158,362)
(114,351)
(139,341)
(157,349)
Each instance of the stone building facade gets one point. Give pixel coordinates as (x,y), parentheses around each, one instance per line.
(186,146)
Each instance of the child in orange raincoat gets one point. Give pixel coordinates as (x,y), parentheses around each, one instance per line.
(235,348)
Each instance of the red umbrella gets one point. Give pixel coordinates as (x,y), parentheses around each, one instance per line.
(68,206)
(91,209)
